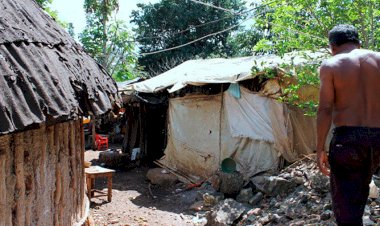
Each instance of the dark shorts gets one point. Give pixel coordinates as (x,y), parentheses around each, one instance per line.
(354,156)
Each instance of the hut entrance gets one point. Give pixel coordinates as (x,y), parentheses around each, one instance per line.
(145,135)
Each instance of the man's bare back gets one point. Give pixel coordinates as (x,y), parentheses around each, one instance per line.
(348,99)
(356,82)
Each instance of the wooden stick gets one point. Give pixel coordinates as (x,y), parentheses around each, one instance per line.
(182,178)
(150,191)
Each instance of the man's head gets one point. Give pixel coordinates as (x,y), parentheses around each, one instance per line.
(342,34)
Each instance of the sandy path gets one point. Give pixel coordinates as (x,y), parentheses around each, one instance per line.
(132,203)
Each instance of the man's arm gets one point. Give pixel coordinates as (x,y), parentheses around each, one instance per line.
(324,116)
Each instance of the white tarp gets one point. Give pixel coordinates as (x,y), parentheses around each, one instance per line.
(193,137)
(249,116)
(200,72)
(253,130)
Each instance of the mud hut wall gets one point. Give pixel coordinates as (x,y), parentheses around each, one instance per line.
(42,176)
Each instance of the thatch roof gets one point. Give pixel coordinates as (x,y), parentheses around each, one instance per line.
(45,75)
(213,71)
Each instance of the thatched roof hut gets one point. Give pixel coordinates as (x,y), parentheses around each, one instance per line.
(47,82)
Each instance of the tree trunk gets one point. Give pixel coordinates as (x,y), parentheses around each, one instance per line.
(104,22)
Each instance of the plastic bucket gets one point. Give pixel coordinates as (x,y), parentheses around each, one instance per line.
(228,165)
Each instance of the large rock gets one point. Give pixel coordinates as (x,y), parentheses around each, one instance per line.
(161,177)
(245,195)
(230,183)
(256,199)
(225,213)
(320,183)
(272,185)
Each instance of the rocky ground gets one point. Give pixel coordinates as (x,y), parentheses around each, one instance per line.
(298,195)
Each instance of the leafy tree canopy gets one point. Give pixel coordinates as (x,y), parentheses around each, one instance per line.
(243,41)
(304,24)
(171,23)
(103,7)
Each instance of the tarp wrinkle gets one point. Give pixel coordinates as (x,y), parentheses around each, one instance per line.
(256,130)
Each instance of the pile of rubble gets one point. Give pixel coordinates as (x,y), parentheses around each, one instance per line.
(298,195)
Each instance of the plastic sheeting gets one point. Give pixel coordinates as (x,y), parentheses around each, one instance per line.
(215,71)
(253,130)
(194,134)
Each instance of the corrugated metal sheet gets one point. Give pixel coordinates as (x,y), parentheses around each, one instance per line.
(44,74)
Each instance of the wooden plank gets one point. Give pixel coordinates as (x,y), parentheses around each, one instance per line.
(109,195)
(74,172)
(79,150)
(28,169)
(42,176)
(42,179)
(89,187)
(58,176)
(19,216)
(50,179)
(4,145)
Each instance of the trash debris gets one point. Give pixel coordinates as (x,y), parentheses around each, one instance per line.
(373,190)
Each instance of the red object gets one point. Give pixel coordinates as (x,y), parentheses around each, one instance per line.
(101,141)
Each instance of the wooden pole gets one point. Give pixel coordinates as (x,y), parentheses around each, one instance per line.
(93,132)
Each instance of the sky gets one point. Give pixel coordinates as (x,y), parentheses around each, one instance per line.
(72,11)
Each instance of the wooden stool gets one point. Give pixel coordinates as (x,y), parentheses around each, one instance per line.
(94,172)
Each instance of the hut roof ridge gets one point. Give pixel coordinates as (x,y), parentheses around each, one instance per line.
(45,75)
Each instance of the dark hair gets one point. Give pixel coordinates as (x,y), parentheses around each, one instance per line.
(343,33)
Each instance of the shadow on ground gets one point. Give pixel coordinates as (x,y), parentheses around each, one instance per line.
(133,181)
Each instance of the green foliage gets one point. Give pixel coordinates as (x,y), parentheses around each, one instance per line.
(116,53)
(306,75)
(105,7)
(241,43)
(70,29)
(170,23)
(294,79)
(101,10)
(45,5)
(304,24)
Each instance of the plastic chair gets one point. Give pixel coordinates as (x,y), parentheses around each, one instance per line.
(101,141)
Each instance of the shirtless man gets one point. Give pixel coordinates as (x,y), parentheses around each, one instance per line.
(350,99)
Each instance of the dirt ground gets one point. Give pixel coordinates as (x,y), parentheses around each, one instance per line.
(133,203)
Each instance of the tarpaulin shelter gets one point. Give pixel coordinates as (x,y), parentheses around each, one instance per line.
(248,126)
(47,82)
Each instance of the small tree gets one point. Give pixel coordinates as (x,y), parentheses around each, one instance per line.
(108,40)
